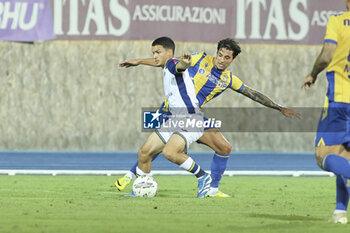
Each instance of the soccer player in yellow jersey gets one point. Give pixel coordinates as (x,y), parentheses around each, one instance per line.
(333,133)
(211,78)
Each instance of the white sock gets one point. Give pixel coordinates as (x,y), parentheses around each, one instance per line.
(213,191)
(141,173)
(339,211)
(187,164)
(130,175)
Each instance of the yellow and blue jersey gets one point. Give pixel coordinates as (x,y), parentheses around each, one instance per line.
(333,127)
(210,82)
(338,71)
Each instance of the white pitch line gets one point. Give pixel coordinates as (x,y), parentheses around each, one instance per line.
(14,172)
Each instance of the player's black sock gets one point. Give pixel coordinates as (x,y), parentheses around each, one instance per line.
(200,173)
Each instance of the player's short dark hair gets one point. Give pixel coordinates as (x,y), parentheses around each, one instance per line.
(230,44)
(166,42)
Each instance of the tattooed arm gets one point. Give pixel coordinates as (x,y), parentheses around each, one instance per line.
(264,100)
(259,97)
(321,63)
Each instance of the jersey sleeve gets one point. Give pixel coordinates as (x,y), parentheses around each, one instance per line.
(332,31)
(195,58)
(171,65)
(237,84)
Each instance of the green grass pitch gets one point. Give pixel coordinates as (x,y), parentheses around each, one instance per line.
(92,204)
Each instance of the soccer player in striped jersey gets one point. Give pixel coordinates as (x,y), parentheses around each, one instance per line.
(173,142)
(211,78)
(332,146)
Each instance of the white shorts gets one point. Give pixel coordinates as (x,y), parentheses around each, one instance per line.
(190,130)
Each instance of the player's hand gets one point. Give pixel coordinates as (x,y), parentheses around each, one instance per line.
(184,64)
(186,58)
(127,64)
(308,82)
(290,113)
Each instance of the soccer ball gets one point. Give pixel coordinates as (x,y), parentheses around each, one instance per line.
(145,186)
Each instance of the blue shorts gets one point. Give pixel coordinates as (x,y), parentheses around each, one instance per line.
(334,125)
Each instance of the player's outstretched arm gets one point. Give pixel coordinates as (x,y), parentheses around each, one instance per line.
(184,64)
(290,113)
(136,62)
(264,100)
(321,63)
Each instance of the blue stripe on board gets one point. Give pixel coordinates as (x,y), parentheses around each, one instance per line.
(123,160)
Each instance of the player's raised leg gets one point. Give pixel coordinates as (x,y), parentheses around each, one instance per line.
(150,148)
(173,151)
(216,141)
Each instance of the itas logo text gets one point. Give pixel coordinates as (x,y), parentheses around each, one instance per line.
(152,120)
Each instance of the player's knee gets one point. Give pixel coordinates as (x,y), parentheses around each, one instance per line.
(144,154)
(169,154)
(225,149)
(147,150)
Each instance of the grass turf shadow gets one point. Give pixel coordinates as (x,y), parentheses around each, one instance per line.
(286,217)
